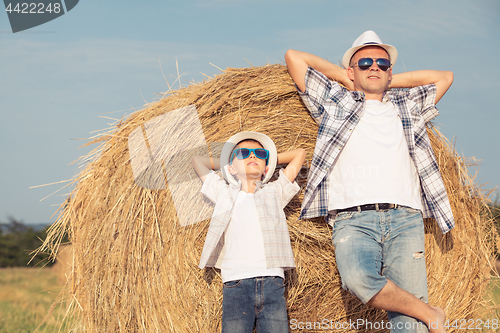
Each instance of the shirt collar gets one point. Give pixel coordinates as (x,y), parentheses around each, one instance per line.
(258,186)
(359,96)
(386,97)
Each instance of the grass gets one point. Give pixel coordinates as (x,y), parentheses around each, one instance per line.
(26,296)
(493,293)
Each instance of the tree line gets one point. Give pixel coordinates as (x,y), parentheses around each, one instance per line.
(495,212)
(18,241)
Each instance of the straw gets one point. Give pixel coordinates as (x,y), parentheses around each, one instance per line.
(135,267)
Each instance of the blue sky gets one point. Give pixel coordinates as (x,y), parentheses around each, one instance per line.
(108,58)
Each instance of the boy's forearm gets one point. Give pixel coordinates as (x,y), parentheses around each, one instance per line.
(202,165)
(287,156)
(294,160)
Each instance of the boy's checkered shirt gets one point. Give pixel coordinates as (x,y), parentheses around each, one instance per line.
(270,199)
(338,110)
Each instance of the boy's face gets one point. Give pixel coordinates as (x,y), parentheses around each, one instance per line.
(250,167)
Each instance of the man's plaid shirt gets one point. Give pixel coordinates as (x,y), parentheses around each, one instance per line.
(338,110)
(270,199)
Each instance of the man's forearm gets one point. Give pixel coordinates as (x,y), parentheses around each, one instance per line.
(297,63)
(442,80)
(417,78)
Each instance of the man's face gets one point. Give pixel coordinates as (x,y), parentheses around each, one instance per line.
(373,81)
(250,167)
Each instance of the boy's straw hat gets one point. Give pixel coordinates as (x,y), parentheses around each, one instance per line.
(263,139)
(369,38)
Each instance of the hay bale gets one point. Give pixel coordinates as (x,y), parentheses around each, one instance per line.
(64,263)
(136,267)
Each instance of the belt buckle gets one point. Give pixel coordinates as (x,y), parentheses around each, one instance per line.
(376,207)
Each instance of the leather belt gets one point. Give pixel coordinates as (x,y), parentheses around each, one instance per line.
(377,207)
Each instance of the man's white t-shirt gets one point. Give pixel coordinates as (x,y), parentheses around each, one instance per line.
(375,165)
(244,255)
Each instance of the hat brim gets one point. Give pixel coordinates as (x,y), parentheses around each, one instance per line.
(391,50)
(263,139)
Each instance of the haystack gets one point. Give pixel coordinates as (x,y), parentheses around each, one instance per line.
(135,264)
(64,263)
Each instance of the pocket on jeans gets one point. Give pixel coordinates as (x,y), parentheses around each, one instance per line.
(338,221)
(410,210)
(343,216)
(232,284)
(279,281)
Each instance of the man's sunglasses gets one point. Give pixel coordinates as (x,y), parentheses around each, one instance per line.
(382,63)
(243,153)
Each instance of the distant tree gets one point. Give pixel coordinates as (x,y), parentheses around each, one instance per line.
(495,214)
(17,242)
(15,226)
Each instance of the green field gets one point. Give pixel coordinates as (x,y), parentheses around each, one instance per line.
(493,293)
(26,296)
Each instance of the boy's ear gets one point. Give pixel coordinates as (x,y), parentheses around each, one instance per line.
(265,170)
(232,170)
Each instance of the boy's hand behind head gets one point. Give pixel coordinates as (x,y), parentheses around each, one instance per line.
(295,159)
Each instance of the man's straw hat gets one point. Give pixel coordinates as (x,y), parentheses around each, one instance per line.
(369,38)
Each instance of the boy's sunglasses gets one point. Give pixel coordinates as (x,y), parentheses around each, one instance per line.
(243,153)
(382,63)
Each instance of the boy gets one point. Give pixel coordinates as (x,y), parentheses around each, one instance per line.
(248,237)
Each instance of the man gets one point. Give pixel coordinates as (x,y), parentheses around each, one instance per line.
(374,174)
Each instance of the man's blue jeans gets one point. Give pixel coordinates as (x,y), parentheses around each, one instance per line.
(372,247)
(258,301)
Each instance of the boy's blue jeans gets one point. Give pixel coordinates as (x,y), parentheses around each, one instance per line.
(258,301)
(372,247)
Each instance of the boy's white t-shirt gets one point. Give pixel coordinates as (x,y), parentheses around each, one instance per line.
(375,165)
(244,255)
